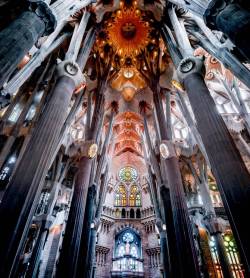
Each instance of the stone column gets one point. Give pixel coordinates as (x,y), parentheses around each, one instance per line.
(210,217)
(36,83)
(22,195)
(89,233)
(232,20)
(169,114)
(183,258)
(18,38)
(164,254)
(227,166)
(70,258)
(36,253)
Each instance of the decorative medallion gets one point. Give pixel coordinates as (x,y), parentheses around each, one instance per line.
(164,150)
(71,68)
(92,151)
(128,33)
(186,65)
(177,85)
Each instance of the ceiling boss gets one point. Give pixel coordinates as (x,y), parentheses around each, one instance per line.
(127,31)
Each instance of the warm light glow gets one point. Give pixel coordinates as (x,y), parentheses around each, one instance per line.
(128,33)
(128,93)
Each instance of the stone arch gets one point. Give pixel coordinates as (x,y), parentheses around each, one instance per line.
(132,213)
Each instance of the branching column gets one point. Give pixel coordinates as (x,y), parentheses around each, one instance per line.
(210,217)
(226,162)
(179,231)
(233,20)
(22,195)
(70,258)
(18,38)
(93,209)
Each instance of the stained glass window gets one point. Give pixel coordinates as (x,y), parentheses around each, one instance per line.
(128,174)
(127,255)
(138,200)
(133,251)
(121,251)
(117,199)
(134,196)
(4,173)
(128,237)
(232,254)
(132,200)
(121,196)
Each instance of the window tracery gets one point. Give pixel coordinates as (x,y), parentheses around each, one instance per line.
(121,196)
(128,174)
(135,196)
(232,254)
(127,255)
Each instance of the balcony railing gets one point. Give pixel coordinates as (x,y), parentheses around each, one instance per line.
(127,265)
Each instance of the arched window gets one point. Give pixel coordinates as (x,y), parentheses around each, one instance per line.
(131,200)
(121,196)
(123,213)
(132,213)
(127,252)
(138,200)
(117,199)
(232,254)
(134,196)
(117,213)
(138,213)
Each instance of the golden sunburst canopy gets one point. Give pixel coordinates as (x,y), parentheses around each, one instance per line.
(128,33)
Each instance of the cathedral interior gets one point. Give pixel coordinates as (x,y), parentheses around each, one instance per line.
(124,138)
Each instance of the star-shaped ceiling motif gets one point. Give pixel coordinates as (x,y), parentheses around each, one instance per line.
(127,32)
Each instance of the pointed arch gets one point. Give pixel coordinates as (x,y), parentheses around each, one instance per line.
(132,213)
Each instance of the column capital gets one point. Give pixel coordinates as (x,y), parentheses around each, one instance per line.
(81,148)
(167,149)
(190,65)
(72,70)
(44,12)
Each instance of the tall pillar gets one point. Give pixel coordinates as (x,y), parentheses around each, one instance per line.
(232,20)
(210,217)
(94,206)
(70,258)
(22,195)
(18,38)
(182,250)
(36,253)
(36,82)
(164,254)
(230,17)
(88,234)
(227,166)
